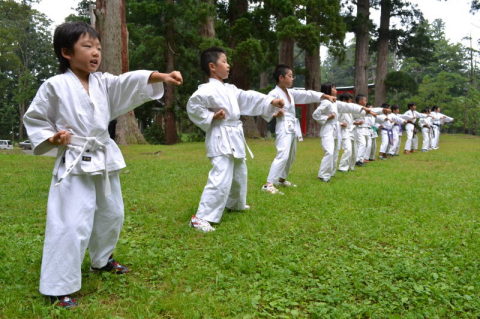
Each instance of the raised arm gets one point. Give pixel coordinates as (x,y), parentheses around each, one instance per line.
(254,103)
(132,89)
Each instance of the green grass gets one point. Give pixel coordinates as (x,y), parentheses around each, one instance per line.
(396,239)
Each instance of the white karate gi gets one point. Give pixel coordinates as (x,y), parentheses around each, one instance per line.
(426,127)
(397,133)
(330,133)
(86,208)
(347,161)
(438,120)
(225,143)
(386,132)
(362,137)
(287,130)
(412,139)
(371,146)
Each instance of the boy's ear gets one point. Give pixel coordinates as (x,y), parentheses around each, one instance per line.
(211,66)
(66,53)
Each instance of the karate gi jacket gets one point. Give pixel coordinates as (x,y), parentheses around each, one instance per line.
(288,123)
(329,127)
(412,116)
(62,103)
(439,119)
(425,121)
(347,132)
(225,137)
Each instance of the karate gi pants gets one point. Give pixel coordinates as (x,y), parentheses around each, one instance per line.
(386,146)
(347,161)
(426,139)
(436,137)
(79,215)
(329,162)
(286,144)
(226,187)
(412,139)
(372,148)
(361,141)
(395,149)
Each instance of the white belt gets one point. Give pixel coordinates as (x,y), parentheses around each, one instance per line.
(236,123)
(87,143)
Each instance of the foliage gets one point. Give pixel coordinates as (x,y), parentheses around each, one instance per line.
(378,242)
(26,60)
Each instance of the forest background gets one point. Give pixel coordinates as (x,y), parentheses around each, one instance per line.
(407,57)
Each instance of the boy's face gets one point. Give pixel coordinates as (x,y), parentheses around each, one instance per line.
(86,55)
(363,101)
(286,80)
(220,69)
(334,91)
(396,111)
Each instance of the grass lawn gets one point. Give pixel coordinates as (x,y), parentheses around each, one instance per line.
(395,239)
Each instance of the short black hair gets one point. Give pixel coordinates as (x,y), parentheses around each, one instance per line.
(345,97)
(395,107)
(385,105)
(66,35)
(326,88)
(426,110)
(359,97)
(210,55)
(280,69)
(434,108)
(409,105)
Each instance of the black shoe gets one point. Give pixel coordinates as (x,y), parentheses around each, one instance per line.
(112,266)
(358,163)
(65,302)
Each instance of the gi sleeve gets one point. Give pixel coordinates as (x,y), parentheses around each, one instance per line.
(130,90)
(253,103)
(344,107)
(446,119)
(39,122)
(198,112)
(322,112)
(306,96)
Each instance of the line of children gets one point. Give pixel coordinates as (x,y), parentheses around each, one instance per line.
(327,115)
(71,112)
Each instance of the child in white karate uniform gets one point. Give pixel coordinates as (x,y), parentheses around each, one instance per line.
(327,114)
(347,161)
(287,130)
(398,121)
(362,132)
(71,111)
(427,130)
(411,116)
(216,108)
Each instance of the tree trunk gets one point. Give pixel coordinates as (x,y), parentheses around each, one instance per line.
(111,24)
(171,136)
(382,54)
(238,74)
(21,110)
(312,82)
(262,125)
(285,52)
(207,29)
(361,47)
